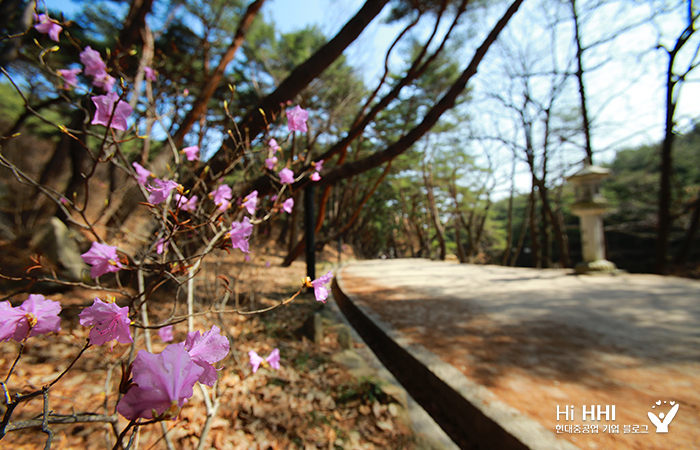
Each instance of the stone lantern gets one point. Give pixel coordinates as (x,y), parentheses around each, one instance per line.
(589,207)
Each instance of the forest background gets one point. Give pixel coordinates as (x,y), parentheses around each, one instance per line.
(486,183)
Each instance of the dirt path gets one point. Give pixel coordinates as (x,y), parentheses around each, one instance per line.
(542,340)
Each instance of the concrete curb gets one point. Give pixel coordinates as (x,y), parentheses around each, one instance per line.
(470,414)
(429,435)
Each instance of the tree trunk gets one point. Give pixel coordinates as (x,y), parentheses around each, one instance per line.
(690,236)
(509,225)
(664,216)
(581,87)
(534,235)
(434,213)
(130,34)
(458,240)
(214,80)
(523,232)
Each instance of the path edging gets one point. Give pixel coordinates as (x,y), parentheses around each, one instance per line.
(470,414)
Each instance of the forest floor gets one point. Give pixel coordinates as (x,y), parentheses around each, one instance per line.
(310,403)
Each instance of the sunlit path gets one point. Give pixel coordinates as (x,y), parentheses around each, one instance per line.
(543,339)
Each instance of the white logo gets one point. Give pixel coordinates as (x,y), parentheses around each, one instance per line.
(662,427)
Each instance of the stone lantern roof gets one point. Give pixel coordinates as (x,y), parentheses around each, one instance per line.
(588,174)
(586,184)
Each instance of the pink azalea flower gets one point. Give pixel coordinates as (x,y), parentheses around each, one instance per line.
(270,162)
(222,197)
(274,146)
(103,258)
(104,81)
(105,105)
(36,310)
(320,290)
(71,77)
(142,174)
(45,25)
(240,233)
(161,245)
(250,202)
(110,323)
(205,350)
(273,359)
(163,383)
(273,198)
(286,176)
(92,61)
(255,360)
(166,333)
(192,153)
(160,191)
(315,176)
(318,165)
(150,73)
(267,264)
(288,205)
(296,119)
(184,204)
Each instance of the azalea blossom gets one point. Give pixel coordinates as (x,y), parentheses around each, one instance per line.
(160,191)
(162,245)
(250,202)
(150,73)
(104,81)
(273,359)
(71,77)
(205,350)
(240,233)
(288,205)
(163,383)
(45,25)
(103,258)
(320,290)
(166,333)
(315,176)
(184,204)
(109,322)
(318,165)
(105,105)
(296,119)
(36,312)
(192,152)
(92,61)
(142,174)
(270,162)
(286,176)
(222,197)
(274,146)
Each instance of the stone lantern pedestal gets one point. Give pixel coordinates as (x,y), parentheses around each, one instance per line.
(589,207)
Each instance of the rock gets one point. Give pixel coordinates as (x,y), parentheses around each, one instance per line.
(313,328)
(55,241)
(350,359)
(344,337)
(318,328)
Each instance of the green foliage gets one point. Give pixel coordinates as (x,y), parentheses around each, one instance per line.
(13,107)
(633,186)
